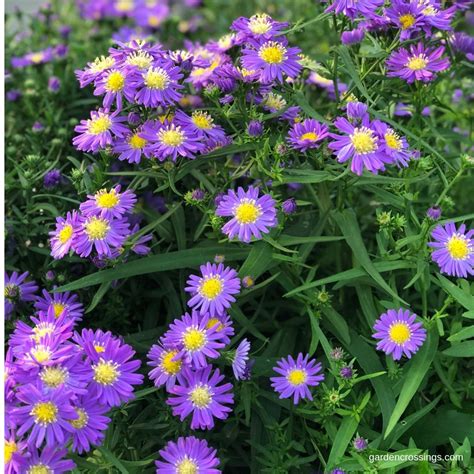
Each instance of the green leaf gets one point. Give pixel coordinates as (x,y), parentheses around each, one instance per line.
(464,333)
(351,69)
(344,435)
(464,299)
(418,367)
(258,260)
(463,349)
(111,458)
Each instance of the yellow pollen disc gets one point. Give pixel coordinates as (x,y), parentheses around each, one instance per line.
(53,377)
(458,247)
(102,63)
(260,24)
(202,120)
(156,78)
(407,21)
(82,419)
(9,449)
(96,228)
(200,396)
(39,469)
(115,82)
(272,53)
(99,125)
(124,5)
(363,141)
(274,101)
(430,11)
(225,41)
(246,72)
(154,20)
(309,136)
(417,63)
(65,233)
(43,329)
(296,376)
(106,200)
(194,339)
(214,322)
(99,348)
(41,353)
(399,333)
(247,212)
(169,365)
(211,287)
(171,137)
(140,59)
(106,372)
(44,413)
(136,142)
(36,58)
(58,309)
(393,140)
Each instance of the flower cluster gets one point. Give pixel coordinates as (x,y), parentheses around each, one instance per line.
(40,57)
(60,384)
(101,225)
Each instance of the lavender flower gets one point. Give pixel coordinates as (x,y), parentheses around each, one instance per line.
(63,238)
(289,206)
(167,365)
(434,213)
(307,134)
(109,203)
(17,290)
(240,360)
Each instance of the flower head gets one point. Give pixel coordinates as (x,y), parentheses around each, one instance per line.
(259,26)
(166,363)
(307,134)
(240,360)
(62,304)
(63,238)
(17,290)
(109,203)
(48,460)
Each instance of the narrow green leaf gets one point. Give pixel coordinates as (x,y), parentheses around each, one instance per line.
(462,349)
(111,458)
(344,435)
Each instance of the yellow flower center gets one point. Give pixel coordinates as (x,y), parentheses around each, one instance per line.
(65,233)
(309,136)
(171,137)
(115,82)
(417,62)
(9,449)
(124,5)
(39,469)
(53,377)
(37,58)
(260,24)
(200,396)
(58,309)
(99,348)
(194,339)
(296,376)
(247,212)
(10,291)
(136,142)
(407,21)
(140,59)
(106,200)
(363,140)
(82,419)
(202,120)
(169,365)
(106,372)
(186,466)
(274,101)
(99,125)
(154,20)
(399,333)
(458,247)
(97,228)
(215,322)
(102,63)
(393,141)
(211,287)
(246,72)
(157,78)
(272,52)
(225,41)
(41,330)
(41,353)
(44,413)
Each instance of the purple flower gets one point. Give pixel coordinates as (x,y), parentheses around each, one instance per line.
(63,238)
(201,124)
(132,147)
(240,360)
(351,8)
(306,135)
(18,290)
(52,178)
(417,63)
(407,16)
(95,70)
(395,147)
(356,111)
(353,37)
(251,215)
(188,455)
(257,26)
(63,304)
(98,132)
(113,85)
(109,204)
(50,459)
(102,234)
(167,365)
(37,127)
(29,59)
(289,206)
(198,392)
(346,372)
(46,414)
(276,104)
(194,339)
(398,333)
(212,292)
(272,59)
(454,249)
(14,452)
(255,128)
(54,84)
(434,213)
(13,95)
(359,443)
(296,376)
(463,43)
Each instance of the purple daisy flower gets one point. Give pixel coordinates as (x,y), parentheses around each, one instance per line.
(222,324)
(251,215)
(113,85)
(46,414)
(435,17)
(188,455)
(454,249)
(113,373)
(39,57)
(407,16)
(109,204)
(17,290)
(132,147)
(194,339)
(14,452)
(63,238)
(272,59)
(395,147)
(212,292)
(167,365)
(102,234)
(276,104)
(202,124)
(296,376)
(99,131)
(54,84)
(95,70)
(417,63)
(358,144)
(90,424)
(63,304)
(398,333)
(307,134)
(259,26)
(198,392)
(353,8)
(49,460)
(240,360)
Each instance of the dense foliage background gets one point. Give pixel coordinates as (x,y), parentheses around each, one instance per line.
(356,246)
